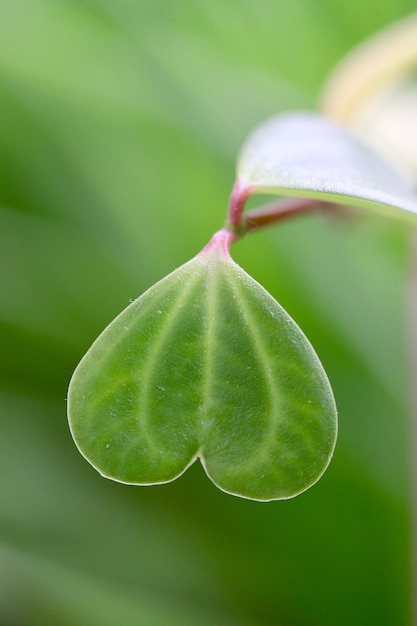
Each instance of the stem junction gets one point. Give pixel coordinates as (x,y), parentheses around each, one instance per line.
(241,223)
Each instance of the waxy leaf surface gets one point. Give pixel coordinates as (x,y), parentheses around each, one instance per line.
(304,154)
(205,365)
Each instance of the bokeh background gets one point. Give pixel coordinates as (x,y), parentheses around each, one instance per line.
(120,121)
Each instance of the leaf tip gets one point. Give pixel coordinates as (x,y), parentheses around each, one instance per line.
(220,242)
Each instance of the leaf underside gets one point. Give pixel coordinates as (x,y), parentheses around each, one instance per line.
(205,365)
(304,154)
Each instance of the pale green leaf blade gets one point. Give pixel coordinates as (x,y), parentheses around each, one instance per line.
(205,365)
(304,154)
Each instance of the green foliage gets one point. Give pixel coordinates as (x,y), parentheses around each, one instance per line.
(205,365)
(119,126)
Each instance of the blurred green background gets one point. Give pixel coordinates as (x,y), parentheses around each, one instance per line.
(120,122)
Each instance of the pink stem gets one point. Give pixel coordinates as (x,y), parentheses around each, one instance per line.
(240,194)
(242,223)
(277,211)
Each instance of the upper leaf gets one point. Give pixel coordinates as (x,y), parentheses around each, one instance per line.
(207,365)
(304,154)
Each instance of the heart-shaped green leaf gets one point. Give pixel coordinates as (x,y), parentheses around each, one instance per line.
(205,365)
(303,154)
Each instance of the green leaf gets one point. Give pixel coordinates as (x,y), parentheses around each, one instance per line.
(303,154)
(207,365)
